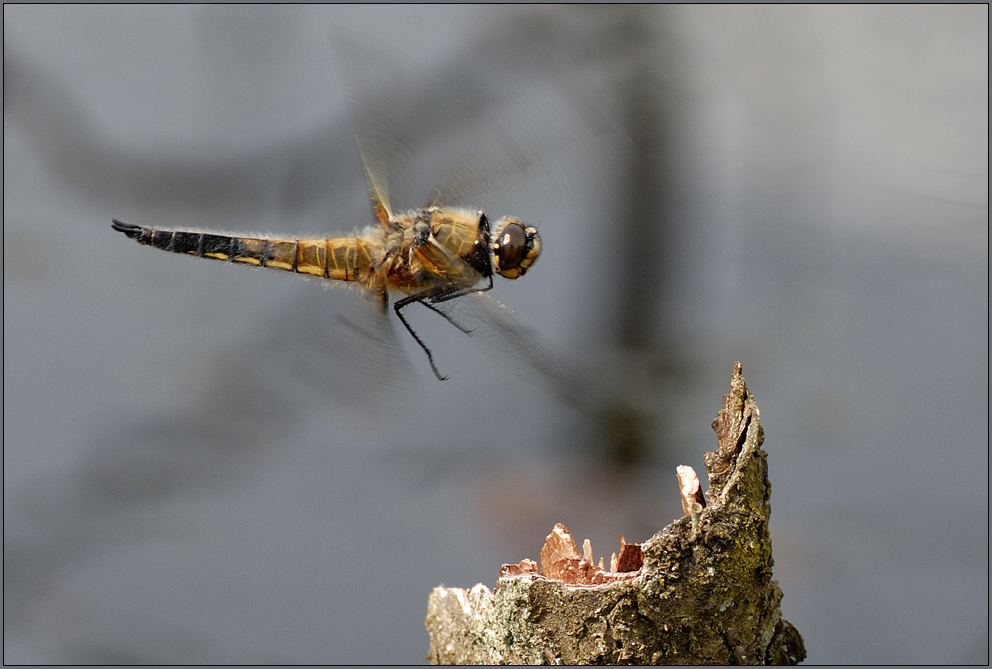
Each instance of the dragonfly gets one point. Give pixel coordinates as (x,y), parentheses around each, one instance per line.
(441,256)
(426,256)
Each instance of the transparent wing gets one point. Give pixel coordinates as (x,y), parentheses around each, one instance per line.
(379,98)
(348,355)
(462,132)
(504,334)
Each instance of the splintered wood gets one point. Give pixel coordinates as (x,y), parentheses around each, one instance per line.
(561,561)
(692,493)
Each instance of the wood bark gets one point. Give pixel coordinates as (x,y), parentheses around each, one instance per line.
(699,591)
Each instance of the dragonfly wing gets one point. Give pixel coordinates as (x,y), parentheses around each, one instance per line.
(348,356)
(373,84)
(378,188)
(504,164)
(504,334)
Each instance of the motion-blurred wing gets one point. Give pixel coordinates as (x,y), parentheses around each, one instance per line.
(503,334)
(347,356)
(374,86)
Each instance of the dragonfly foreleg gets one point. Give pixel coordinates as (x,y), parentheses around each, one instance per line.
(445,296)
(398,308)
(429,300)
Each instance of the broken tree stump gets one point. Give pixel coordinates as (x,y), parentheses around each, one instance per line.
(699,591)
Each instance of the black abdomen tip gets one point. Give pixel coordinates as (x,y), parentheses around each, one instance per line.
(131,231)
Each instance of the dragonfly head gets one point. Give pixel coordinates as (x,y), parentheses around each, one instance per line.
(514,248)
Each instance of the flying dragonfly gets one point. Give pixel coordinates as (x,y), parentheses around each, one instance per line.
(441,256)
(428,256)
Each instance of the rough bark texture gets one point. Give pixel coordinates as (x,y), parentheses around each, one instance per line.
(703,595)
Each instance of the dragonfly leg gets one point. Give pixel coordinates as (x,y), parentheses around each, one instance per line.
(398,308)
(456,292)
(439,298)
(429,300)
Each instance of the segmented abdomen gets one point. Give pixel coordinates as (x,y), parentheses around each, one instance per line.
(343,259)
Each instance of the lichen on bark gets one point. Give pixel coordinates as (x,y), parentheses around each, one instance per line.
(701,593)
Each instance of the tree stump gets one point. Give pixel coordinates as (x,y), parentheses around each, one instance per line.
(699,591)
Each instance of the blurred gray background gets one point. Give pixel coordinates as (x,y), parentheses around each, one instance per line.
(803,189)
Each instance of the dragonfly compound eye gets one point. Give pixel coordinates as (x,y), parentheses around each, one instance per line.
(515,248)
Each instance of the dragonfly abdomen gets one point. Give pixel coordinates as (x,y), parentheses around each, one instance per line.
(341,259)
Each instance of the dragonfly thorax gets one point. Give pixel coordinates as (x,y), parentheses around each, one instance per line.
(509,248)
